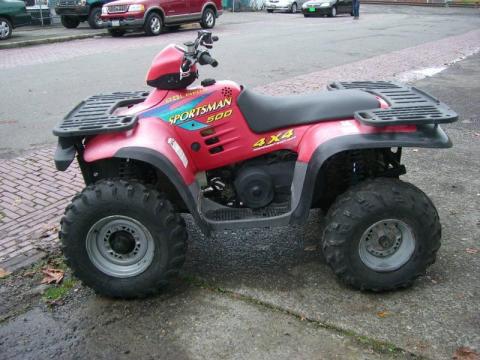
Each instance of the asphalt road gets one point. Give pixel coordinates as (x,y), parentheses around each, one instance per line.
(265,294)
(41,84)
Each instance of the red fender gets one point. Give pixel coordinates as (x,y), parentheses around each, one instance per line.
(151,134)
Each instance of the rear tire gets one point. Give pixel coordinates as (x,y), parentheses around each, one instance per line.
(381,235)
(94,19)
(294,8)
(116,32)
(5,28)
(70,22)
(270,11)
(153,25)
(123,238)
(208,19)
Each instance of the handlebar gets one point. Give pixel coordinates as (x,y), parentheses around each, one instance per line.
(206,59)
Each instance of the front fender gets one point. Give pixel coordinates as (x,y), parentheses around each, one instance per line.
(150,134)
(154,142)
(321,143)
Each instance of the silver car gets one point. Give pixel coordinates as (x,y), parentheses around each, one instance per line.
(284,5)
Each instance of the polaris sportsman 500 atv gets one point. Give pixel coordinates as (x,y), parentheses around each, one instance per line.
(233,158)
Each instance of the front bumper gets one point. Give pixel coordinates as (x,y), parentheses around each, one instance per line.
(319,11)
(124,20)
(123,23)
(72,10)
(279,7)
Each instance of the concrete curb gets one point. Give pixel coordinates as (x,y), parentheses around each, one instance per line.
(50,40)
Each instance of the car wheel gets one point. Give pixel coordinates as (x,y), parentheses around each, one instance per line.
(116,32)
(270,11)
(333,12)
(294,8)
(70,22)
(5,29)
(153,25)
(94,19)
(208,19)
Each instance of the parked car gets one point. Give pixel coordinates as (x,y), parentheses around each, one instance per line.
(73,12)
(283,5)
(152,16)
(13,13)
(327,7)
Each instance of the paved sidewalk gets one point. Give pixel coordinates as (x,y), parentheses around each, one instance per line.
(35,35)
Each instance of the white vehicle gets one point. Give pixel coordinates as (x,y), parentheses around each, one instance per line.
(283,5)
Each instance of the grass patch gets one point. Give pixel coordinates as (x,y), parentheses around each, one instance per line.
(58,292)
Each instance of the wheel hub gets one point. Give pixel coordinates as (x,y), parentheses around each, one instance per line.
(120,246)
(122,242)
(386,245)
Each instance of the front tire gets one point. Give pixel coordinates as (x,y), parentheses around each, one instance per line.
(70,22)
(208,19)
(294,8)
(381,235)
(123,238)
(154,24)
(94,19)
(5,29)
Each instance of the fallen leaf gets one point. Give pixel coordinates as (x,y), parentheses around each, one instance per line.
(465,353)
(52,276)
(471,250)
(383,314)
(29,274)
(4,273)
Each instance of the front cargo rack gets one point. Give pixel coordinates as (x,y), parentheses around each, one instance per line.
(95,115)
(408,105)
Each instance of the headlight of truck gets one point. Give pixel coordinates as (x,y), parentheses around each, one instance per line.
(324,5)
(104,10)
(136,7)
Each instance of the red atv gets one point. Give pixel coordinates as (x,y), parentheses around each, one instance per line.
(233,158)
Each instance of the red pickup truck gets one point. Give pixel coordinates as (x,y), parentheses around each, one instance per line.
(152,16)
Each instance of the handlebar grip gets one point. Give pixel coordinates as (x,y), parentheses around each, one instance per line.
(206,59)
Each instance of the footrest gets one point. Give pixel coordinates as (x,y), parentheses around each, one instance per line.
(408,105)
(233,214)
(95,115)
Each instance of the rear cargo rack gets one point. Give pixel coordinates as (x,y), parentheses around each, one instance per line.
(408,105)
(95,115)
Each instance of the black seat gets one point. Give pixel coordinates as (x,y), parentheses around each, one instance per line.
(265,113)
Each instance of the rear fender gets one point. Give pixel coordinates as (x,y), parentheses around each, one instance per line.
(328,139)
(154,142)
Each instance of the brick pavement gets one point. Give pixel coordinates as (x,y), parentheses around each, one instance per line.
(33,194)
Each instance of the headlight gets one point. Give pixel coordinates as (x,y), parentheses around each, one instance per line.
(136,8)
(323,5)
(104,10)
(82,2)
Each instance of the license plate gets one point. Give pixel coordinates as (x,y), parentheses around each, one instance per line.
(311,9)
(115,22)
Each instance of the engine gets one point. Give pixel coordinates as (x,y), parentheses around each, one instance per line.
(255,183)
